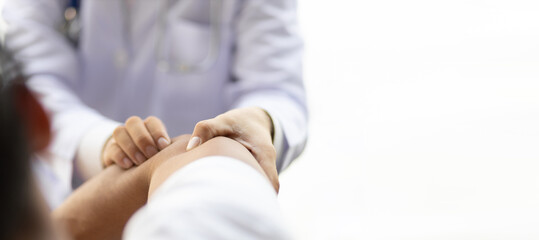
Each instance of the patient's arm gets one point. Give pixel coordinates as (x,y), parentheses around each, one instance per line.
(100,208)
(219,146)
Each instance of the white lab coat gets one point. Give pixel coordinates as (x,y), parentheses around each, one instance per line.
(115,72)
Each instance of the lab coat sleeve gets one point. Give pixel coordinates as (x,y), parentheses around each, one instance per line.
(267,71)
(51,65)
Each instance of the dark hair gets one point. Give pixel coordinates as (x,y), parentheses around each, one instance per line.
(17,207)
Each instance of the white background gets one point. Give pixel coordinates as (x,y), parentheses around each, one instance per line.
(424,121)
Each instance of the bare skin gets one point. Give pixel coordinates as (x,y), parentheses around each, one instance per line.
(138,140)
(101,207)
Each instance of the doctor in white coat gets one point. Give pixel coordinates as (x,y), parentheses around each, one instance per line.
(229,65)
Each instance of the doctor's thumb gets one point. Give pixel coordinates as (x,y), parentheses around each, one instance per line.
(204,131)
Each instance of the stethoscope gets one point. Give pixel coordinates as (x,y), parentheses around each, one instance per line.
(72,29)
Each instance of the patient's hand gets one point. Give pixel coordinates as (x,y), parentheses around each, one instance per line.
(135,142)
(101,207)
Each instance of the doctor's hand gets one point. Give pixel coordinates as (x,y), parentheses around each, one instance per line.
(252,127)
(135,142)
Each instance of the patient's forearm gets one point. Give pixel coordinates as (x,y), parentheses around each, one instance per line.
(100,208)
(219,146)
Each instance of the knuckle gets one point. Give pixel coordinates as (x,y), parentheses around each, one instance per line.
(127,146)
(117,155)
(116,159)
(229,120)
(107,161)
(151,119)
(132,119)
(117,131)
(203,125)
(106,158)
(224,118)
(140,140)
(221,116)
(235,128)
(206,128)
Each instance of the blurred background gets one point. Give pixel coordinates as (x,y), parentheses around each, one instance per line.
(424,121)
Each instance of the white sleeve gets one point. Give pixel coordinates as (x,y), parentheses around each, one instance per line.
(69,123)
(211,198)
(267,70)
(52,66)
(88,157)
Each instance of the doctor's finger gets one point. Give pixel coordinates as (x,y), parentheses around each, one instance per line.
(271,172)
(128,145)
(266,155)
(158,131)
(206,130)
(115,155)
(141,137)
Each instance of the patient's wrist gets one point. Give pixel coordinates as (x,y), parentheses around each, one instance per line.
(177,147)
(219,146)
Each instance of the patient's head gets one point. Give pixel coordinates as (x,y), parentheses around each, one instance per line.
(24,129)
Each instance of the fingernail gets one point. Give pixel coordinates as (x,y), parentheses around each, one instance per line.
(163,142)
(140,158)
(127,162)
(194,142)
(150,150)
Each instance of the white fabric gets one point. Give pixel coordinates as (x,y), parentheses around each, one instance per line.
(114,72)
(212,198)
(91,147)
(55,187)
